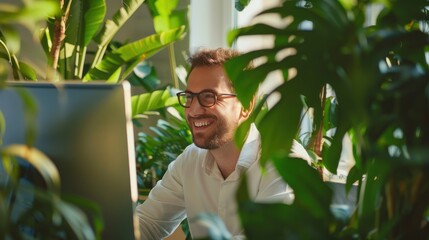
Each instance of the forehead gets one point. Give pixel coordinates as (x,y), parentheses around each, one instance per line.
(208,77)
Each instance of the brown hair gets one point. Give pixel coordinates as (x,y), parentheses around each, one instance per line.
(213,57)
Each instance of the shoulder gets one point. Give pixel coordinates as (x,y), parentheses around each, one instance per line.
(191,156)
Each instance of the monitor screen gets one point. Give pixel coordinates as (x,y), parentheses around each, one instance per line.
(86,130)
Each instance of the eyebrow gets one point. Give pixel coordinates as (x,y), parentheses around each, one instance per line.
(204,90)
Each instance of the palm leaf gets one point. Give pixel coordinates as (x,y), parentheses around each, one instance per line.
(132,52)
(152,101)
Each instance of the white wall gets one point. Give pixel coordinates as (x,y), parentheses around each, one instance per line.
(211,20)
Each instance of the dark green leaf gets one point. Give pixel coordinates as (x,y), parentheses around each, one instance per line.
(279,126)
(310,191)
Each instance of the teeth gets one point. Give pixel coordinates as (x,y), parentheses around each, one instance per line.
(200,124)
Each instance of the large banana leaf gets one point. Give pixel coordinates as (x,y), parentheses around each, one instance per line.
(84,21)
(132,52)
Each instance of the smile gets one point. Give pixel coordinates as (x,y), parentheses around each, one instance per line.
(201,123)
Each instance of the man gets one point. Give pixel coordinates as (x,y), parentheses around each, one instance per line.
(205,177)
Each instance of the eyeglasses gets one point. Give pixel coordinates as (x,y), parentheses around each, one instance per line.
(205,98)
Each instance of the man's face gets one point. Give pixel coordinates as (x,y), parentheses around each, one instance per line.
(213,126)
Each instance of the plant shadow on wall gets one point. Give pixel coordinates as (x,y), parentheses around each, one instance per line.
(70,31)
(379,75)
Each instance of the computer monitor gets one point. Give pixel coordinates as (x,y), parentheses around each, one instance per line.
(86,130)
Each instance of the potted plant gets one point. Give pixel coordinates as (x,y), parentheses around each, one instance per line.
(379,75)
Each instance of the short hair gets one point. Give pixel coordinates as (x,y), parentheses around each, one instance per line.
(213,57)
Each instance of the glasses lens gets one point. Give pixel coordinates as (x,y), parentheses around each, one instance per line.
(185,99)
(207,99)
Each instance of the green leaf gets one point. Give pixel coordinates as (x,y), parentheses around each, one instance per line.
(279,221)
(111,27)
(76,219)
(332,158)
(279,126)
(152,101)
(354,176)
(39,161)
(73,214)
(2,127)
(309,189)
(4,66)
(257,29)
(10,40)
(30,114)
(240,5)
(243,129)
(166,22)
(27,71)
(162,7)
(30,13)
(371,195)
(135,51)
(85,19)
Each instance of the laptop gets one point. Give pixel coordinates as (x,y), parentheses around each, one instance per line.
(86,130)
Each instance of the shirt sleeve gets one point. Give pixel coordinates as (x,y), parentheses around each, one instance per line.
(164,209)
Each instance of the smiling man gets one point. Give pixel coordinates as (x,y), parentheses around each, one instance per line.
(205,177)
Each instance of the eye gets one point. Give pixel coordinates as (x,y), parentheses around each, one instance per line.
(188,96)
(207,98)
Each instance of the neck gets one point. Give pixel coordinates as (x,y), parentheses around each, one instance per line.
(226,158)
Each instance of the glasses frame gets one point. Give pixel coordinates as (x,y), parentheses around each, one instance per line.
(216,96)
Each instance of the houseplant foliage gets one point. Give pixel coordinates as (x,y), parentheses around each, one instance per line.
(79,45)
(379,74)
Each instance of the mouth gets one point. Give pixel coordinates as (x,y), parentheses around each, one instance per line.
(201,123)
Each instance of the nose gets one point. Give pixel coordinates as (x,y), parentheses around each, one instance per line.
(195,108)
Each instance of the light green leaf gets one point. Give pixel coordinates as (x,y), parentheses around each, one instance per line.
(166,22)
(27,71)
(32,11)
(165,7)
(12,40)
(152,101)
(4,66)
(111,27)
(132,52)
